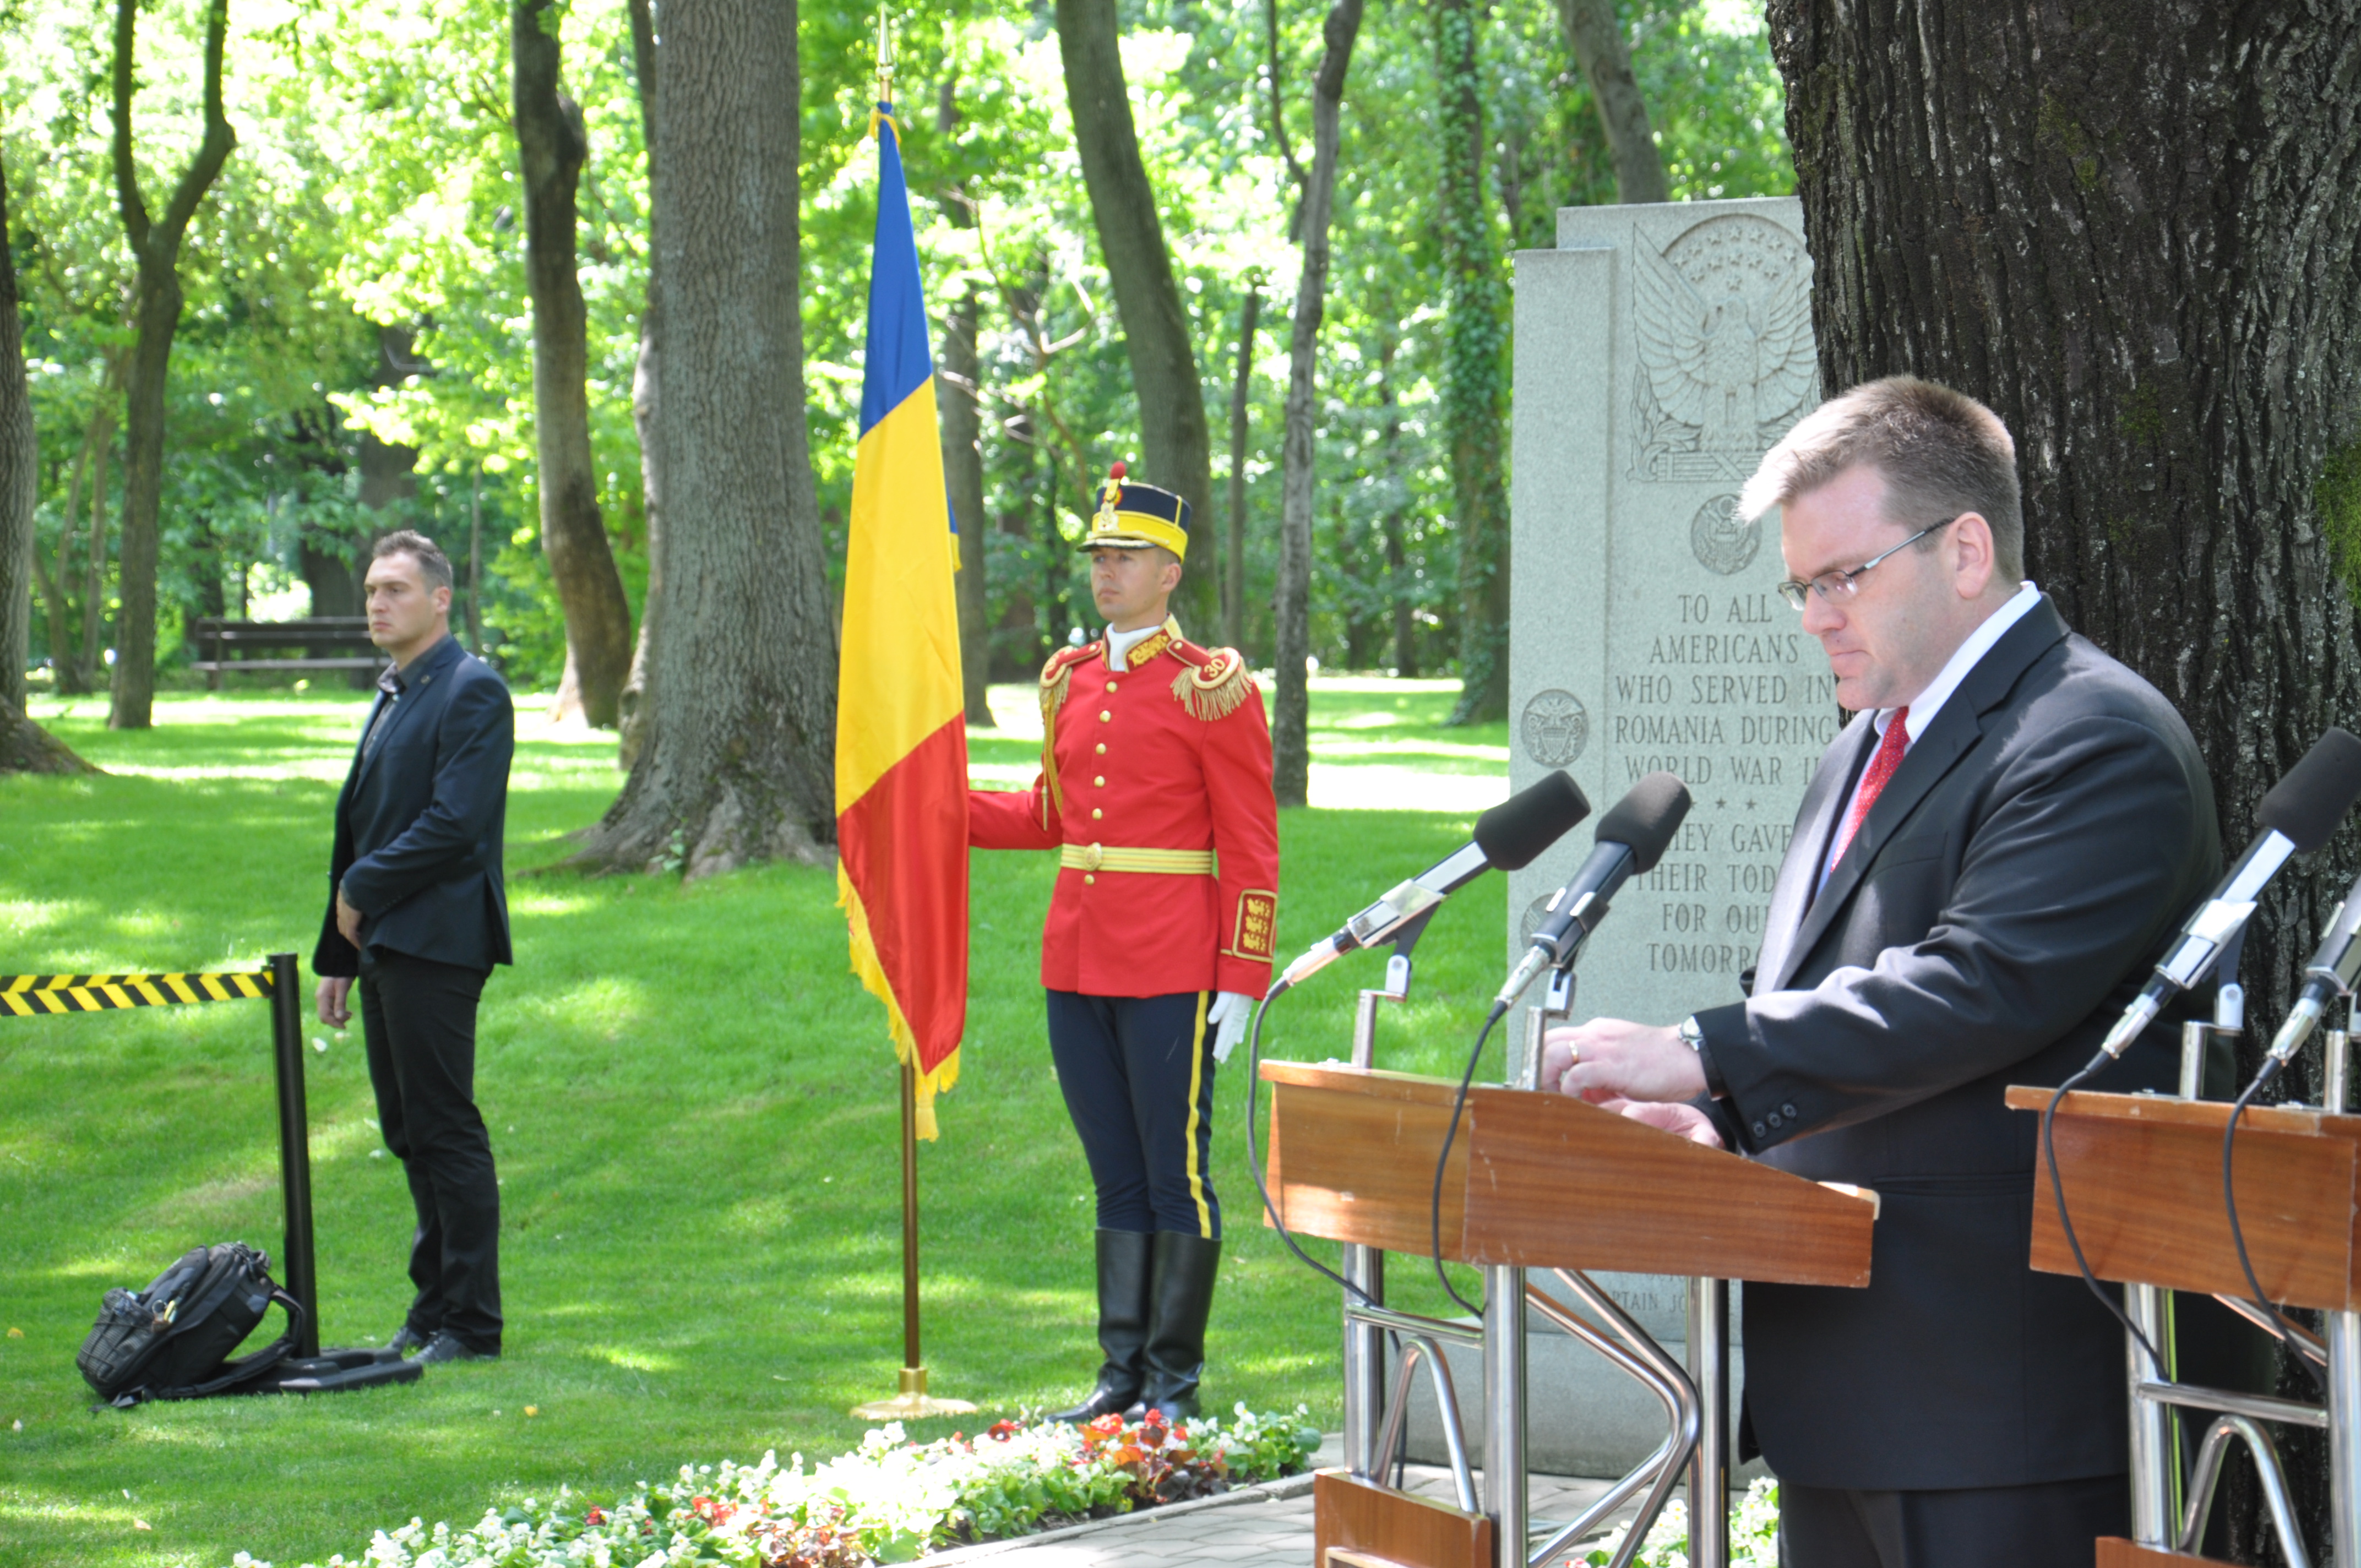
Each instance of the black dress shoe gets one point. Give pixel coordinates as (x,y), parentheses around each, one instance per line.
(405,1340)
(443,1347)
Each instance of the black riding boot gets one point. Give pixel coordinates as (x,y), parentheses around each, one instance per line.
(1181,1298)
(1124,1258)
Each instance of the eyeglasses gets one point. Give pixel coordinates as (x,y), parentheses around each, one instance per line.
(1838,587)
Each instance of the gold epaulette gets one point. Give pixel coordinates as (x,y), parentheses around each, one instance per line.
(1057,675)
(1214,681)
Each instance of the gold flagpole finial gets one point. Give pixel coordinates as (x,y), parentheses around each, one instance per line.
(884,57)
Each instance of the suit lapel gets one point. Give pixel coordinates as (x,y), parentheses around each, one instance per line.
(1792,892)
(1956,729)
(415,685)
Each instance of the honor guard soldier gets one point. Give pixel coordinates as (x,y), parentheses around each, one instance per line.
(1154,790)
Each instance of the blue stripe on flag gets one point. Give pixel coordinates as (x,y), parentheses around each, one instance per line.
(899,359)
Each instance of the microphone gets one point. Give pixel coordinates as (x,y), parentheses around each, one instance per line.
(2298,816)
(1630,838)
(2328,976)
(1508,835)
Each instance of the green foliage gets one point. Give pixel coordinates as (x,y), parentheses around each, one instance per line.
(2338,496)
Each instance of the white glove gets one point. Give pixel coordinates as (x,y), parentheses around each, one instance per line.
(1232,1010)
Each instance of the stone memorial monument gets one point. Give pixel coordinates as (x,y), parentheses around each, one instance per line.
(1660,351)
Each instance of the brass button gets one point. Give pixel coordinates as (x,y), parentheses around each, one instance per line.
(1092,857)
(1109,685)
(1104,716)
(1099,781)
(1102,748)
(1096,814)
(1087,878)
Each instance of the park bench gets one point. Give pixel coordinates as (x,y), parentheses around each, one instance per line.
(323,642)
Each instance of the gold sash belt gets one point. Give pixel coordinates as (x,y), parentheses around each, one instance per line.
(1162,862)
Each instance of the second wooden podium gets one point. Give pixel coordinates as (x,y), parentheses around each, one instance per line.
(1535,1181)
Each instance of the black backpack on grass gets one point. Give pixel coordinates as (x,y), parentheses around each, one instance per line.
(173,1340)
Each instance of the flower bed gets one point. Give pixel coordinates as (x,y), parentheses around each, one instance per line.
(890,1501)
(1753,1534)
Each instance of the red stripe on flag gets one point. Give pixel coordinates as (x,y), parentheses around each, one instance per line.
(904,849)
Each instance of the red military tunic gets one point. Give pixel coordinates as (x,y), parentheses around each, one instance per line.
(1171,754)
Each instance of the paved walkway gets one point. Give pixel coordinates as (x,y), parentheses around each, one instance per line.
(1268,1528)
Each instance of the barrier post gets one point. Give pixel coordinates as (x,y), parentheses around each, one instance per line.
(294,1147)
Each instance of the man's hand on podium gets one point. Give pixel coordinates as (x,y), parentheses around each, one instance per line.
(1644,1073)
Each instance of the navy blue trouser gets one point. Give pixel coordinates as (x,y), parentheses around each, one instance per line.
(1137,1074)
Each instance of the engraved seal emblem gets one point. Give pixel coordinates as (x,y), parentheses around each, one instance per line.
(1722,541)
(1554,728)
(1722,325)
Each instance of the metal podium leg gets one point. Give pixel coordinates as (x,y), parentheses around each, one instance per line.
(2155,1457)
(1504,1411)
(1365,1363)
(2342,1331)
(1708,1331)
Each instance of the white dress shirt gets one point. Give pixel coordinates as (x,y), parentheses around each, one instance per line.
(1929,702)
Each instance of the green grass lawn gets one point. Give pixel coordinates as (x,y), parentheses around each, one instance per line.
(692,1102)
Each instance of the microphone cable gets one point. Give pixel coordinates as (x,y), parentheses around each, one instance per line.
(1254,1165)
(1442,1160)
(2280,1326)
(2057,1192)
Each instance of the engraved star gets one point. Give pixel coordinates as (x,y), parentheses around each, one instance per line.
(1749,806)
(1720,804)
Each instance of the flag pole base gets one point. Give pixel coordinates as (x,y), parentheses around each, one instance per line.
(912,1403)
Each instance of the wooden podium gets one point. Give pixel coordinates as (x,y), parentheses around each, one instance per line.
(1535,1181)
(2143,1181)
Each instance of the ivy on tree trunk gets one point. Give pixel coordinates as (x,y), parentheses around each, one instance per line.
(739,759)
(2134,232)
(1475,360)
(553,149)
(156,244)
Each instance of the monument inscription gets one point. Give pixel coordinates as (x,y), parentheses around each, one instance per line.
(1661,351)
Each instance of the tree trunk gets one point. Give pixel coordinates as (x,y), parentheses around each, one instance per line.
(57,582)
(551,150)
(1596,34)
(1175,442)
(1234,576)
(1290,727)
(27,748)
(2134,233)
(963,427)
(93,596)
(632,705)
(1398,580)
(738,762)
(1474,377)
(20,481)
(475,562)
(157,245)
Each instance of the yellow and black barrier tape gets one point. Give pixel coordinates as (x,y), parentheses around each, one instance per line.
(38,995)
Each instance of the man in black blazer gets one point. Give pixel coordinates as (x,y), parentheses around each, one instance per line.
(416,911)
(1986,864)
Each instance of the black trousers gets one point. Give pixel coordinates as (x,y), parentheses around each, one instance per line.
(418,1018)
(1137,1074)
(2047,1525)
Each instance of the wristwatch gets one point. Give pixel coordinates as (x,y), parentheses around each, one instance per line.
(1691,1036)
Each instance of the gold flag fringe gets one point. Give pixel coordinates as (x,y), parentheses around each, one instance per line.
(873,975)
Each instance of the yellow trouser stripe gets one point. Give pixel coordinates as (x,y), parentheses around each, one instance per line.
(37,995)
(1164,862)
(1196,1076)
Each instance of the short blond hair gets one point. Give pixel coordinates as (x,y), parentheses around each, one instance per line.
(1941,454)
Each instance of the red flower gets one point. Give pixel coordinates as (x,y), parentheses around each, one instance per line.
(1003,1430)
(596,1516)
(1107,1425)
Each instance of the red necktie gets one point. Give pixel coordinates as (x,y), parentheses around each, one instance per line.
(1890,747)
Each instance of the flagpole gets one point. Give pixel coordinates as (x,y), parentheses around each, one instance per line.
(912,1402)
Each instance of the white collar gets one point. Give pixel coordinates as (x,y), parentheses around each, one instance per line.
(1929,702)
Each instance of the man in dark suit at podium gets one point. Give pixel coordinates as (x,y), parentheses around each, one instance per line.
(417,912)
(1984,866)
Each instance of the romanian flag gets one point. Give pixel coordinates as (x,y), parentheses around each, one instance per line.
(901,735)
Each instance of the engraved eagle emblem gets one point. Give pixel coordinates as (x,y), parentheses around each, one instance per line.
(1727,355)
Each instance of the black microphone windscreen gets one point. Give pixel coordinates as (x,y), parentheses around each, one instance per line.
(1530,821)
(2307,803)
(1646,818)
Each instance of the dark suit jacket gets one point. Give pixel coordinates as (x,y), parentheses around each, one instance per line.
(420,820)
(2003,900)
